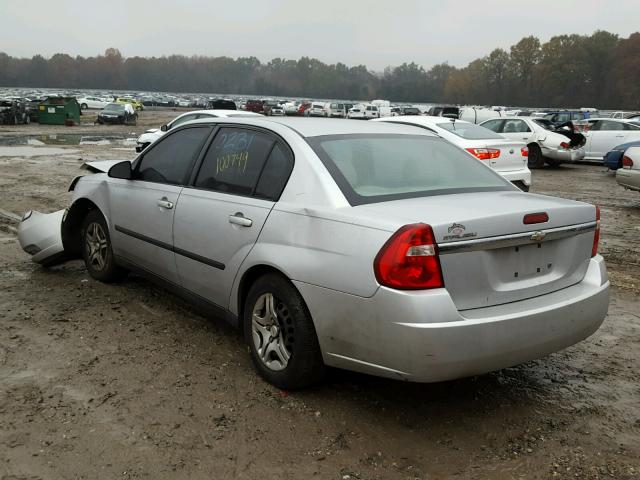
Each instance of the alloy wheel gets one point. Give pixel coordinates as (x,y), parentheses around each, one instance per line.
(96,245)
(272,330)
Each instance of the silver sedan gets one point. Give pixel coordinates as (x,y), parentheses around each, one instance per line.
(374,247)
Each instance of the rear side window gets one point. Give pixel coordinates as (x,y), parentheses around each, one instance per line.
(170,159)
(378,168)
(234,161)
(495,125)
(275,173)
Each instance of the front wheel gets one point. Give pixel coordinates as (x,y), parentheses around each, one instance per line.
(97,251)
(281,335)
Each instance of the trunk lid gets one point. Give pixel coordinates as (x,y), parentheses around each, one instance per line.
(488,255)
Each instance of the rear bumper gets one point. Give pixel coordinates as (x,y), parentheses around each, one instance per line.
(523,175)
(628,178)
(422,337)
(562,155)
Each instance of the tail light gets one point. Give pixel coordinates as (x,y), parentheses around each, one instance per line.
(596,235)
(565,145)
(531,218)
(627,162)
(484,153)
(409,260)
(524,151)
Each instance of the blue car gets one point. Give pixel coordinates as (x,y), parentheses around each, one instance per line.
(613,159)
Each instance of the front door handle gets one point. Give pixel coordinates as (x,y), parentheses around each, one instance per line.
(165,203)
(239,219)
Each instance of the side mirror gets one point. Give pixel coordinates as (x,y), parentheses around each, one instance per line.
(121,170)
(164,128)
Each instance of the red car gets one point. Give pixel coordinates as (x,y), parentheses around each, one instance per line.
(303,108)
(256,106)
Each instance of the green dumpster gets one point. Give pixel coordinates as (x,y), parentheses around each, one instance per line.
(59,111)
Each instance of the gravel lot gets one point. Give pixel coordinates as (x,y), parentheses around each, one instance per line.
(127,381)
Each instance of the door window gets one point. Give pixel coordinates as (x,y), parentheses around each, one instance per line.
(275,174)
(515,126)
(185,119)
(170,158)
(234,161)
(609,125)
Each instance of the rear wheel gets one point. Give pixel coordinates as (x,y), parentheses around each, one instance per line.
(280,333)
(84,106)
(96,249)
(535,156)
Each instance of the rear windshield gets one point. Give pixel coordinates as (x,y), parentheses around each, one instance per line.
(469,131)
(377,168)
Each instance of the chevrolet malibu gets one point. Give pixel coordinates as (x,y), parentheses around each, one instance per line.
(374,247)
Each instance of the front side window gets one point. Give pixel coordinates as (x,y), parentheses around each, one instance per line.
(170,158)
(234,161)
(376,168)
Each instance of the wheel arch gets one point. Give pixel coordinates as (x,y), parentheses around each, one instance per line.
(72,225)
(248,278)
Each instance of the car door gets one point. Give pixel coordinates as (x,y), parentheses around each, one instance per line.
(605,135)
(142,209)
(516,129)
(221,213)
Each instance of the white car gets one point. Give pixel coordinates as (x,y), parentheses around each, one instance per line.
(364,112)
(603,134)
(507,157)
(336,110)
(544,145)
(93,102)
(317,109)
(153,134)
(629,175)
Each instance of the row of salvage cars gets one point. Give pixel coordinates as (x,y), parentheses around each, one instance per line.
(378,247)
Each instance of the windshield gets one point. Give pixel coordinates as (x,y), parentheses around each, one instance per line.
(114,107)
(469,131)
(376,168)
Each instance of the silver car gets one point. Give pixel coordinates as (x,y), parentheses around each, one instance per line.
(374,247)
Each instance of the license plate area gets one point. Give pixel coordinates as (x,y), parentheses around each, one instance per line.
(525,261)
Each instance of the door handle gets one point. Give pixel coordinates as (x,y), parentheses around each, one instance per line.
(239,219)
(165,203)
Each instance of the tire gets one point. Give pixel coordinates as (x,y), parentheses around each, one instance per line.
(84,106)
(295,334)
(535,156)
(96,249)
(521,185)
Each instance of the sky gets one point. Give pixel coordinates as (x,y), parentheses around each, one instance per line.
(376,33)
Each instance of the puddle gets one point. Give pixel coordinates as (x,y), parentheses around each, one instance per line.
(69,139)
(31,151)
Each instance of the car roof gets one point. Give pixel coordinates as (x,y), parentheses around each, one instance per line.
(314,127)
(220,111)
(426,120)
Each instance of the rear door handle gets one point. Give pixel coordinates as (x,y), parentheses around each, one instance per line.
(239,219)
(165,203)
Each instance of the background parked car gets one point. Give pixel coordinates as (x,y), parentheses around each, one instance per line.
(562,117)
(154,134)
(92,102)
(409,111)
(256,106)
(544,145)
(221,104)
(137,105)
(317,109)
(13,112)
(273,108)
(118,113)
(336,110)
(629,175)
(603,134)
(444,111)
(613,158)
(505,156)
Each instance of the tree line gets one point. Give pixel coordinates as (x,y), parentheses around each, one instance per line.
(598,70)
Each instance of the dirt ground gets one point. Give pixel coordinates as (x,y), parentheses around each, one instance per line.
(127,381)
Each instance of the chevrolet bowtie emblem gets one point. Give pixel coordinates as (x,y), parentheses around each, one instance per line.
(538,236)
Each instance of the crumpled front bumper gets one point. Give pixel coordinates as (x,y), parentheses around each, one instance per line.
(40,235)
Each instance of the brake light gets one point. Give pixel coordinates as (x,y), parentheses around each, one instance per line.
(484,153)
(539,217)
(565,145)
(596,235)
(524,151)
(627,162)
(409,260)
